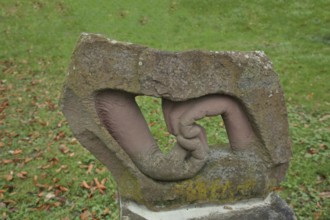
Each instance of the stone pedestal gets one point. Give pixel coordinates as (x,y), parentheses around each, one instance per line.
(271,208)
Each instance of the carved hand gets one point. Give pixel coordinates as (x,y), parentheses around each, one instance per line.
(123,119)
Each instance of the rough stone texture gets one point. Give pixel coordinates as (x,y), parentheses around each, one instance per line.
(99,64)
(272,208)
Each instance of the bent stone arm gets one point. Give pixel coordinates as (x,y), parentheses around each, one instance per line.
(181,116)
(123,119)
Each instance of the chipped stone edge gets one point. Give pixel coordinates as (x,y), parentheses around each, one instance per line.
(194,212)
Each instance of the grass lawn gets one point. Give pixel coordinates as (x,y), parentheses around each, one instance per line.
(45,172)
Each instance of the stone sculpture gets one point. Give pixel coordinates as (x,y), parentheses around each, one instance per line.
(98,101)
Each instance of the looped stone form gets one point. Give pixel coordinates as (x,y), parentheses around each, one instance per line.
(98,101)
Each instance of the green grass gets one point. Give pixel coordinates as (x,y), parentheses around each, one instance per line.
(37,38)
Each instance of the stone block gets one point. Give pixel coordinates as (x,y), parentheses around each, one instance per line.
(105,75)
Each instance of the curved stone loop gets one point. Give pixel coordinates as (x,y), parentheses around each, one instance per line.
(123,119)
(180,118)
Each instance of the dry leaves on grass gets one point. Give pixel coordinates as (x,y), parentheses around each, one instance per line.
(95,185)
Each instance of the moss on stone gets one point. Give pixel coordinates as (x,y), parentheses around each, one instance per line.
(217,190)
(129,187)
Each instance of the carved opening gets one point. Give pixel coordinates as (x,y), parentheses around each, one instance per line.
(215,130)
(152,111)
(123,118)
(151,108)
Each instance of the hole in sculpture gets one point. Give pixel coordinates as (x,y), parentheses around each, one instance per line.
(123,118)
(215,130)
(151,108)
(152,111)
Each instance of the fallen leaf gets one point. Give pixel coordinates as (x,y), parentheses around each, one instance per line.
(47,166)
(325,117)
(278,188)
(106,211)
(89,169)
(42,186)
(63,189)
(2,193)
(40,194)
(2,144)
(64,149)
(62,167)
(49,196)
(151,124)
(16,152)
(85,215)
(57,204)
(35,180)
(100,186)
(7,161)
(9,177)
(4,105)
(85,185)
(101,170)
(4,216)
(324,195)
(54,160)
(59,136)
(28,159)
(22,175)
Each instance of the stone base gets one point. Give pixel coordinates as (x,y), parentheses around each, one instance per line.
(272,208)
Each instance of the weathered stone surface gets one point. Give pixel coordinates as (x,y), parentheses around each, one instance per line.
(100,64)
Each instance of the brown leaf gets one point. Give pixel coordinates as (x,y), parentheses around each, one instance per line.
(28,159)
(4,105)
(85,215)
(16,152)
(89,169)
(47,166)
(151,124)
(2,193)
(62,167)
(101,170)
(106,211)
(35,180)
(22,175)
(57,204)
(49,196)
(59,136)
(63,189)
(42,186)
(103,181)
(54,160)
(9,177)
(64,149)
(325,195)
(324,118)
(51,105)
(2,144)
(100,186)
(40,194)
(7,161)
(85,185)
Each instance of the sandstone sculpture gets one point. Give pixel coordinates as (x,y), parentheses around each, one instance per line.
(98,101)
